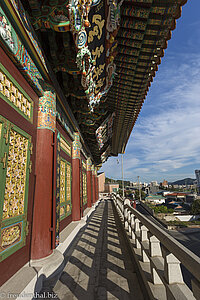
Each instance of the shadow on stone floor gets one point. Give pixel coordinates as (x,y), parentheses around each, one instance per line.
(98,265)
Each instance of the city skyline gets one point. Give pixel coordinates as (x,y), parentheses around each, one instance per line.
(141,180)
(164,143)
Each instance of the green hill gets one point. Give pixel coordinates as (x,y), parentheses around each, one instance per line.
(186,181)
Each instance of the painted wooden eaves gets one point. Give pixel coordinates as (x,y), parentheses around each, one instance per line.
(146,26)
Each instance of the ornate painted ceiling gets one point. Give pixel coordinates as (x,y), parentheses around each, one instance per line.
(104,54)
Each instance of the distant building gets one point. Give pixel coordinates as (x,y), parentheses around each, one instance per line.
(101,182)
(197,172)
(177,197)
(164,183)
(153,189)
(111,187)
(133,184)
(164,193)
(179,209)
(154,183)
(176,186)
(155,199)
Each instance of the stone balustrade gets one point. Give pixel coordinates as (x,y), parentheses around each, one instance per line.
(158,256)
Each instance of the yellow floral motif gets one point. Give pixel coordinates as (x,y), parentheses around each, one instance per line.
(97,29)
(14,95)
(84,178)
(65,146)
(65,187)
(62,211)
(83,164)
(99,84)
(16,176)
(97,53)
(68,182)
(10,235)
(62,181)
(98,71)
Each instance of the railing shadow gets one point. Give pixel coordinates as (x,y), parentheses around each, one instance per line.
(98,266)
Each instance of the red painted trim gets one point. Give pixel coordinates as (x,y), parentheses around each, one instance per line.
(93,189)
(81,190)
(97,188)
(89,191)
(66,221)
(65,156)
(63,132)
(76,213)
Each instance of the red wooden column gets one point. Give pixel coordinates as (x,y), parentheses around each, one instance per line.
(93,185)
(97,185)
(89,183)
(76,211)
(41,245)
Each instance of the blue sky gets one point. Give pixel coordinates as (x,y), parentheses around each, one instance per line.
(165,142)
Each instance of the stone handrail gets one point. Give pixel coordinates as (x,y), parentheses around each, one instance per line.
(158,256)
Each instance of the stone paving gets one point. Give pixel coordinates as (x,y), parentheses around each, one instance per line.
(98,265)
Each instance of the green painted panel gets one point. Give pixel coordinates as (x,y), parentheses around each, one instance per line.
(15,145)
(65,189)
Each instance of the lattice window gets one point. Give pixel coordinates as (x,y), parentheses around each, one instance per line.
(84,178)
(15,165)
(13,94)
(68,196)
(65,146)
(83,165)
(65,189)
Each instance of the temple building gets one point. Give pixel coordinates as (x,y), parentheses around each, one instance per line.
(73,78)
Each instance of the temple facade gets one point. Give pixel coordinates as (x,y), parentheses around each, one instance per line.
(73,78)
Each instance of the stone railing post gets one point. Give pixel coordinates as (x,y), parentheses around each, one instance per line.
(137,226)
(129,221)
(126,201)
(133,227)
(144,238)
(172,269)
(143,235)
(155,251)
(122,209)
(137,233)
(126,218)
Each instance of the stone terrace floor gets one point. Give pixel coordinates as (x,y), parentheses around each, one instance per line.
(98,264)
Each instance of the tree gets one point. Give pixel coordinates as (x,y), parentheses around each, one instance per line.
(196,207)
(162,209)
(107,180)
(137,196)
